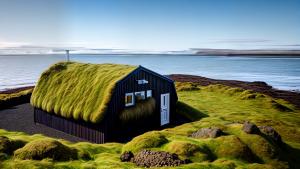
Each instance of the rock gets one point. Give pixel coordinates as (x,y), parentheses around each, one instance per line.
(272,133)
(250,128)
(149,158)
(208,132)
(126,156)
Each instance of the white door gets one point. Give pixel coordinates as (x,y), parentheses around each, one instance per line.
(164,109)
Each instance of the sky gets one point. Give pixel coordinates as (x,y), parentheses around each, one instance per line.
(151,25)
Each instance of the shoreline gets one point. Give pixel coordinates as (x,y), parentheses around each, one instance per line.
(275,55)
(257,86)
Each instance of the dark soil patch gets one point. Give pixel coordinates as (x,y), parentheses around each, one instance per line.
(149,158)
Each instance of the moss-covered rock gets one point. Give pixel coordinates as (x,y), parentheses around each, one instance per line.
(46,148)
(148,140)
(212,132)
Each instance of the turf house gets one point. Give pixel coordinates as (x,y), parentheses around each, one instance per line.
(103,102)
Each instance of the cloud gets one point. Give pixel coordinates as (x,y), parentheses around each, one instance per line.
(5,44)
(287,45)
(239,41)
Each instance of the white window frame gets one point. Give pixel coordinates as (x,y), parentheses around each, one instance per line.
(149,93)
(132,96)
(143,93)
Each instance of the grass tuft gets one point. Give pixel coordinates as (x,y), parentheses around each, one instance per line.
(141,110)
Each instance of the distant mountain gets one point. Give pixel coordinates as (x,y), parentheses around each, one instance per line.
(232,52)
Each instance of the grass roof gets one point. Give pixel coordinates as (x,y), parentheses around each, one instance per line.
(78,90)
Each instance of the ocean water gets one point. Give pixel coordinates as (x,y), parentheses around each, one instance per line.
(281,73)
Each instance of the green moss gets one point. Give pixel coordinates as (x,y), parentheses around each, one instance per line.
(141,110)
(46,148)
(76,90)
(188,150)
(188,111)
(232,147)
(151,139)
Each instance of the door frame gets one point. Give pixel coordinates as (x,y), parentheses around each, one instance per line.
(164,109)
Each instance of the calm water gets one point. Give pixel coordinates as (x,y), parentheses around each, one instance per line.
(282,73)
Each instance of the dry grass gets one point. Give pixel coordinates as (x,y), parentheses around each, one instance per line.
(77,90)
(141,110)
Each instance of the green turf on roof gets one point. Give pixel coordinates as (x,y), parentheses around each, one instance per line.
(77,90)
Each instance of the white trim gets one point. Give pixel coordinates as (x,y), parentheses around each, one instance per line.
(132,96)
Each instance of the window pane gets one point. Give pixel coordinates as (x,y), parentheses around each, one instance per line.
(129,99)
(140,95)
(149,93)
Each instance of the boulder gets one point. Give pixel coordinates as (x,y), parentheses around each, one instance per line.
(250,128)
(126,156)
(272,133)
(149,158)
(208,132)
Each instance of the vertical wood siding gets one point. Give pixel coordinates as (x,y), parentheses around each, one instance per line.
(90,132)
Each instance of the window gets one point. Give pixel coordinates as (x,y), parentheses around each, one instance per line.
(140,95)
(129,99)
(149,93)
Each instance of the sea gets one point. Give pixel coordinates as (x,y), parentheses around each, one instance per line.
(279,72)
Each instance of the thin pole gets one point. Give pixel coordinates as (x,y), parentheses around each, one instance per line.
(68,55)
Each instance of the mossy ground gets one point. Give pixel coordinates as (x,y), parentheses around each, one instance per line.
(12,99)
(222,107)
(4,97)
